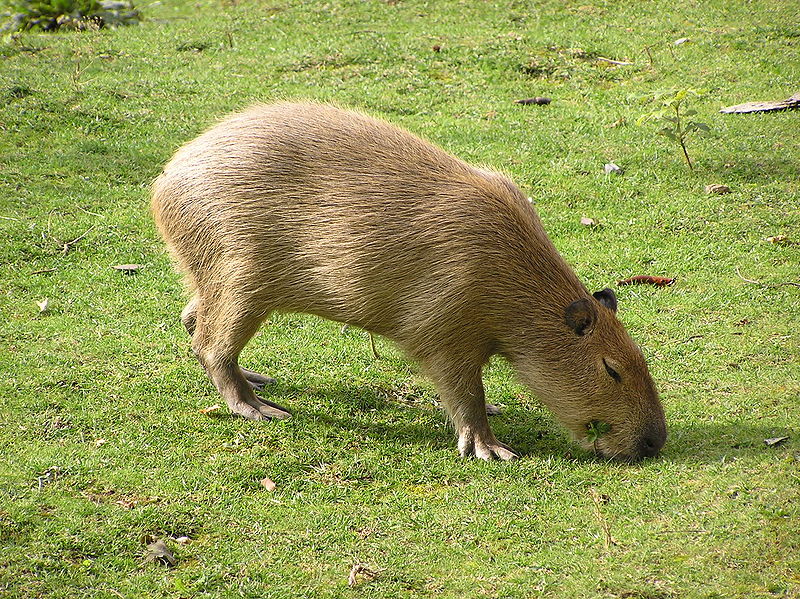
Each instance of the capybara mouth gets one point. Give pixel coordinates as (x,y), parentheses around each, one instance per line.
(644,449)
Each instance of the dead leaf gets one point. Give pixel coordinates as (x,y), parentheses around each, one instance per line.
(791,102)
(778,239)
(159,552)
(267,483)
(360,570)
(437,48)
(540,100)
(210,409)
(99,442)
(128,269)
(183,540)
(680,41)
(588,222)
(775,441)
(43,305)
(612,169)
(647,280)
(717,189)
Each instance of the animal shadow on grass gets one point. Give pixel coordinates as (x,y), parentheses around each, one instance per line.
(414,420)
(372,413)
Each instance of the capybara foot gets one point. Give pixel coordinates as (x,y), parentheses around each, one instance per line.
(493,410)
(255,380)
(483,446)
(259,409)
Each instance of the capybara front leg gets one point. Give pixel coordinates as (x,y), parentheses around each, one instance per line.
(461,392)
(189,320)
(257,381)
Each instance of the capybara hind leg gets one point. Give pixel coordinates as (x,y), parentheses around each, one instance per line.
(219,338)
(189,320)
(461,392)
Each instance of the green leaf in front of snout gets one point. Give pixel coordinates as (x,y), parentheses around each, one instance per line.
(596,429)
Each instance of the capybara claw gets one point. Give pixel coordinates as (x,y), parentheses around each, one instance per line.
(260,410)
(257,380)
(471,445)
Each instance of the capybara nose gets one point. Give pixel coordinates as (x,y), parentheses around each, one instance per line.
(652,442)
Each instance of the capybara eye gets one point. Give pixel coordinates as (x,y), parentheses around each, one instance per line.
(611,372)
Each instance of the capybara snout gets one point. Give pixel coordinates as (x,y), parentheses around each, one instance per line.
(306,207)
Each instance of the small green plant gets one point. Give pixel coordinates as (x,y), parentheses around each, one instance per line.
(596,429)
(674,118)
(51,15)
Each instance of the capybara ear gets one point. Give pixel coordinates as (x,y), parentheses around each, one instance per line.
(607,297)
(580,316)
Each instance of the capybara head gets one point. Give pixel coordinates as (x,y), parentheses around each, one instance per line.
(595,379)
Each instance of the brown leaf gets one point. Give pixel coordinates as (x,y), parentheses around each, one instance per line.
(791,102)
(588,222)
(360,570)
(210,409)
(778,239)
(647,280)
(775,441)
(267,483)
(717,189)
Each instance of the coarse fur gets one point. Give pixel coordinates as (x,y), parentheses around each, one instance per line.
(306,207)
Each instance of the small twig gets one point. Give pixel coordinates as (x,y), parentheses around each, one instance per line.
(608,539)
(88,212)
(43,271)
(649,56)
(9,218)
(68,244)
(766,285)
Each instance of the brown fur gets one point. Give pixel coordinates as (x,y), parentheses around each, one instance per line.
(304,207)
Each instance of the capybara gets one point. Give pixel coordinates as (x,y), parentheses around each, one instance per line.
(306,207)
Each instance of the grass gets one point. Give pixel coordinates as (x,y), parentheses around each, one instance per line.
(101,392)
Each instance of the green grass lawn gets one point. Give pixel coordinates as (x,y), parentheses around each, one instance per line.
(103,449)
